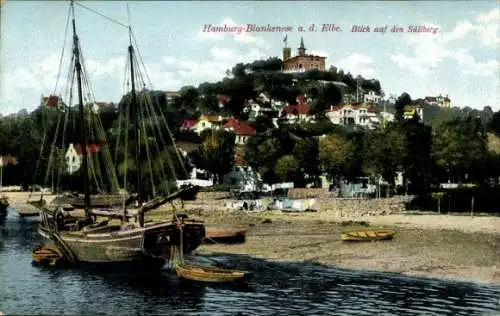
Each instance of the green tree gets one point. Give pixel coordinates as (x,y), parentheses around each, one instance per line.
(403,100)
(334,155)
(384,153)
(287,168)
(460,148)
(328,95)
(495,123)
(417,162)
(306,153)
(262,152)
(216,154)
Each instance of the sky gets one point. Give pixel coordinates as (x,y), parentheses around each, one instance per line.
(460,60)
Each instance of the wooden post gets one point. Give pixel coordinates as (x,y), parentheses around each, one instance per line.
(472,207)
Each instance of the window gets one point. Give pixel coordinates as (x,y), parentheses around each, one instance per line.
(300,65)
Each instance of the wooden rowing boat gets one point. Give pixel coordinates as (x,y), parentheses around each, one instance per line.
(28,212)
(368,235)
(231,236)
(47,255)
(209,274)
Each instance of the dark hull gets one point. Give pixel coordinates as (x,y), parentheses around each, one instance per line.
(3,208)
(146,246)
(28,213)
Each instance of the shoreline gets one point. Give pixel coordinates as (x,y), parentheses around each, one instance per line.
(449,247)
(460,248)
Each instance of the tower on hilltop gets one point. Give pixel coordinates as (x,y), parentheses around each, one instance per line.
(287,51)
(301,62)
(302,49)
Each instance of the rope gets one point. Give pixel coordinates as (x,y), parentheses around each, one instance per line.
(44,137)
(143,126)
(63,49)
(162,175)
(102,15)
(140,58)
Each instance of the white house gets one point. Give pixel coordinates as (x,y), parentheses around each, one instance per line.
(439,101)
(355,114)
(255,109)
(74,155)
(97,106)
(73,159)
(411,110)
(203,123)
(242,130)
(299,112)
(371,97)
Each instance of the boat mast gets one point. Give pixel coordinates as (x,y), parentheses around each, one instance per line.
(83,127)
(135,108)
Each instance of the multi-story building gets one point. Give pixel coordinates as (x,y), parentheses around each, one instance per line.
(354,114)
(411,110)
(302,62)
(371,97)
(299,112)
(444,102)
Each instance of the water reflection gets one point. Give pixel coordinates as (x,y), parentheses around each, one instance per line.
(276,288)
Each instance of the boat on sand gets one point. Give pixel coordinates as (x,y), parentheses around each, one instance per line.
(367,235)
(229,236)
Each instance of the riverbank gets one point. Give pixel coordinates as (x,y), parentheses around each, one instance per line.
(443,246)
(432,245)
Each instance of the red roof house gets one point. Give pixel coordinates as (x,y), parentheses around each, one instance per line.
(188,124)
(240,128)
(301,108)
(51,101)
(91,149)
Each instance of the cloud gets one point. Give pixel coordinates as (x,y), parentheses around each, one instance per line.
(485,28)
(430,50)
(41,79)
(214,32)
(38,78)
(106,67)
(358,64)
(470,66)
(213,68)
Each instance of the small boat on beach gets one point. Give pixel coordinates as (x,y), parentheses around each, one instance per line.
(47,255)
(28,212)
(232,236)
(368,235)
(209,274)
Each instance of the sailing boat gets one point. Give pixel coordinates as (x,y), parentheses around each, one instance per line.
(132,240)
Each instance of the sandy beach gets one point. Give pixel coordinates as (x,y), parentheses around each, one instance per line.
(432,245)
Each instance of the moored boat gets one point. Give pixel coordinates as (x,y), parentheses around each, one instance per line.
(368,235)
(132,240)
(230,236)
(28,211)
(47,255)
(210,274)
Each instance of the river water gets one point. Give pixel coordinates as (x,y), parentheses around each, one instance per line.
(275,289)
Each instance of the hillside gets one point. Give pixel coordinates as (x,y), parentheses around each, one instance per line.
(326,88)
